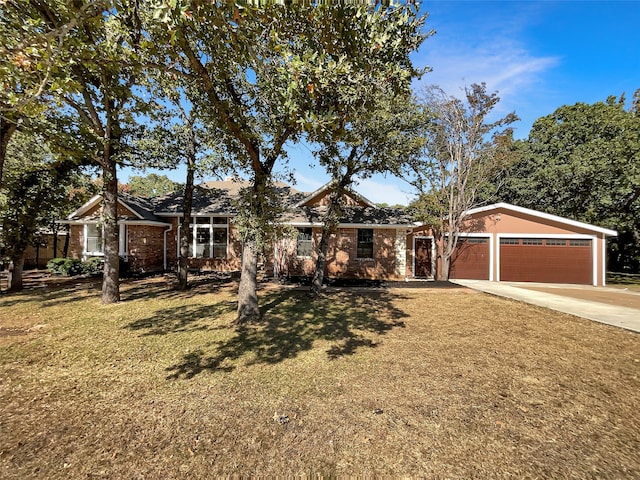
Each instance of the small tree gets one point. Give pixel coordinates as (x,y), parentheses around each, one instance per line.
(464,152)
(36,185)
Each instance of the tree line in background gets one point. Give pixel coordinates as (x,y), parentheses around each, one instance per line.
(89,86)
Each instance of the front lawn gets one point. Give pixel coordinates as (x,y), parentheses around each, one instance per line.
(433,382)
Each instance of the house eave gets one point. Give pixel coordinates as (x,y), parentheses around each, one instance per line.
(352,225)
(120,222)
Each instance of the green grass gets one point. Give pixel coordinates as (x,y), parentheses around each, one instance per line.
(405,382)
(623,280)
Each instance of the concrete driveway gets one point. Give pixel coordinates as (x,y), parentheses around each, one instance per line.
(623,317)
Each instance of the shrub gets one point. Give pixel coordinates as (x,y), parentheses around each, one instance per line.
(72,267)
(93,265)
(65,266)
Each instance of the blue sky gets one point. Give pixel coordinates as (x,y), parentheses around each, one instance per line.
(538,55)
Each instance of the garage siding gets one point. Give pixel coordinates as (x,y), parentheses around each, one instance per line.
(550,260)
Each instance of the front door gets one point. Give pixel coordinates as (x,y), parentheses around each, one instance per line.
(423,257)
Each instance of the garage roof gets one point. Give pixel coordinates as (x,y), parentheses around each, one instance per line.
(545,216)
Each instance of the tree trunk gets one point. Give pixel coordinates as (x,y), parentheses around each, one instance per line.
(7,129)
(321,261)
(183,261)
(443,271)
(67,237)
(329,225)
(247,291)
(14,277)
(111,272)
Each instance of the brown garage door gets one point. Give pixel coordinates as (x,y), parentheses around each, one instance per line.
(471,259)
(547,260)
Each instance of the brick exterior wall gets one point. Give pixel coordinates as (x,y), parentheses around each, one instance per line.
(145,247)
(342,261)
(146,253)
(76,241)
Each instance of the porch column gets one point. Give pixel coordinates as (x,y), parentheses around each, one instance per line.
(400,247)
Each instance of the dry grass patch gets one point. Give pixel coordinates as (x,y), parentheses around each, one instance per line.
(441,383)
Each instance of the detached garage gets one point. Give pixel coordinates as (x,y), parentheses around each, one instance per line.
(503,242)
(531,246)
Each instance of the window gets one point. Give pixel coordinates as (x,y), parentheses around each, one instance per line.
(532,241)
(208,237)
(202,244)
(365,243)
(475,240)
(94,240)
(304,245)
(580,243)
(509,241)
(555,242)
(220,242)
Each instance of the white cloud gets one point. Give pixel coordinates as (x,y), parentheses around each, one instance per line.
(306,183)
(495,55)
(505,69)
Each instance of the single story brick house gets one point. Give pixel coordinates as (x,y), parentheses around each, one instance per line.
(499,242)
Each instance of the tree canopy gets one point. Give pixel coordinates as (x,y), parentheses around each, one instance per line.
(464,152)
(150,185)
(267,75)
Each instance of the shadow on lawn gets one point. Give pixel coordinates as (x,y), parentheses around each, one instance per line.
(291,324)
(53,295)
(185,318)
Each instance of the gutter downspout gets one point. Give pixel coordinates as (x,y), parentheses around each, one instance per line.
(165,245)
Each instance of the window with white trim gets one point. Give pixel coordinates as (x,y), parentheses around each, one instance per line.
(208,237)
(579,242)
(304,244)
(509,241)
(555,242)
(93,239)
(531,241)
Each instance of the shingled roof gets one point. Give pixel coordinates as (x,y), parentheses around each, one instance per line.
(219,198)
(352,215)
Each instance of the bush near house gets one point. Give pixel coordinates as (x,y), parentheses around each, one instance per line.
(72,267)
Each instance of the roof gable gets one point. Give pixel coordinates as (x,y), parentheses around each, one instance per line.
(320,197)
(129,206)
